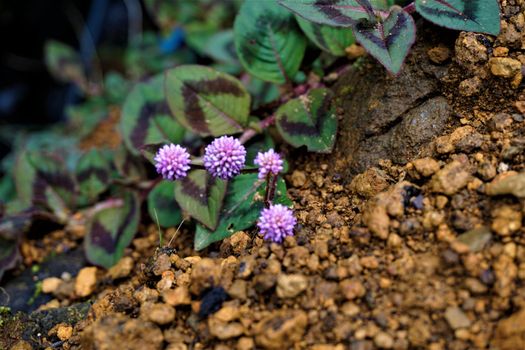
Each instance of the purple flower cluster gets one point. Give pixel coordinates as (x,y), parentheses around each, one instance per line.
(172,162)
(224,157)
(269,162)
(276,222)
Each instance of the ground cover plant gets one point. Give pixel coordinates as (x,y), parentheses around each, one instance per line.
(190,103)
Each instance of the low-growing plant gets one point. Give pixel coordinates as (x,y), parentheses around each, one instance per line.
(206,129)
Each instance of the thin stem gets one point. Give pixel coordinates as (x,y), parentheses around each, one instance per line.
(263,124)
(271,182)
(410,8)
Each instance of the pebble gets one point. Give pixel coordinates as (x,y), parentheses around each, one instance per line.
(158,313)
(122,269)
(510,332)
(352,289)
(384,340)
(224,330)
(298,178)
(245,343)
(290,286)
(177,296)
(506,220)
(64,332)
(162,263)
(51,284)
(504,66)
(21,345)
(281,329)
(145,294)
(456,318)
(453,177)
(476,239)
(239,241)
(369,183)
(508,184)
(439,54)
(86,281)
(426,166)
(204,275)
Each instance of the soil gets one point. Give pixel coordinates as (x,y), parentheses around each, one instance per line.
(410,233)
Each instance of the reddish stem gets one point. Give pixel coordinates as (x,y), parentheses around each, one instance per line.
(263,124)
(410,8)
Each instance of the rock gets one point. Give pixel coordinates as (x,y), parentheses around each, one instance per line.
(439,54)
(369,183)
(512,184)
(506,220)
(112,332)
(377,220)
(352,289)
(290,286)
(476,238)
(470,86)
(86,281)
(504,67)
(245,343)
(475,285)
(510,332)
(463,139)
(177,296)
(145,294)
(162,263)
(238,289)
(239,241)
(122,269)
(281,329)
(224,330)
(229,312)
(21,345)
(64,332)
(298,178)
(453,177)
(383,340)
(51,284)
(470,51)
(456,318)
(158,313)
(204,275)
(500,51)
(426,166)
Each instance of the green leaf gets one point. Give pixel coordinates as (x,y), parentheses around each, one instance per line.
(162,205)
(201,196)
(309,121)
(471,15)
(146,117)
(111,229)
(262,92)
(25,177)
(268,42)
(330,39)
(9,255)
(93,173)
(388,41)
(129,166)
(241,209)
(336,13)
(64,63)
(221,47)
(206,101)
(84,117)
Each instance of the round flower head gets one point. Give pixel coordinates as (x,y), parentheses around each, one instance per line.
(172,162)
(269,163)
(224,157)
(276,222)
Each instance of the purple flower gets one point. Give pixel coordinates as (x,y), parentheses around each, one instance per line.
(276,222)
(224,157)
(269,163)
(172,162)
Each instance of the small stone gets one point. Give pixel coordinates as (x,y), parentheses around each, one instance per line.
(475,285)
(298,179)
(162,263)
(369,262)
(64,332)
(426,166)
(281,329)
(352,289)
(222,330)
(456,318)
(476,238)
(51,284)
(86,281)
(369,183)
(245,343)
(145,294)
(22,345)
(122,269)
(158,313)
(453,177)
(500,51)
(377,220)
(290,286)
(238,289)
(504,66)
(470,86)
(177,296)
(510,332)
(439,54)
(383,340)
(512,184)
(506,220)
(204,275)
(239,241)
(229,312)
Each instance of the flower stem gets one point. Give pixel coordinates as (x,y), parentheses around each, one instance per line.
(263,124)
(410,8)
(271,182)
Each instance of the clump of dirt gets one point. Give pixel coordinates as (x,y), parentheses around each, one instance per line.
(410,235)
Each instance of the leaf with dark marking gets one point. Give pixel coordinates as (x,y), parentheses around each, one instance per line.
(268,42)
(129,166)
(93,173)
(9,255)
(207,101)
(241,209)
(111,229)
(162,204)
(146,117)
(309,120)
(471,15)
(327,38)
(201,196)
(337,13)
(389,41)
(64,63)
